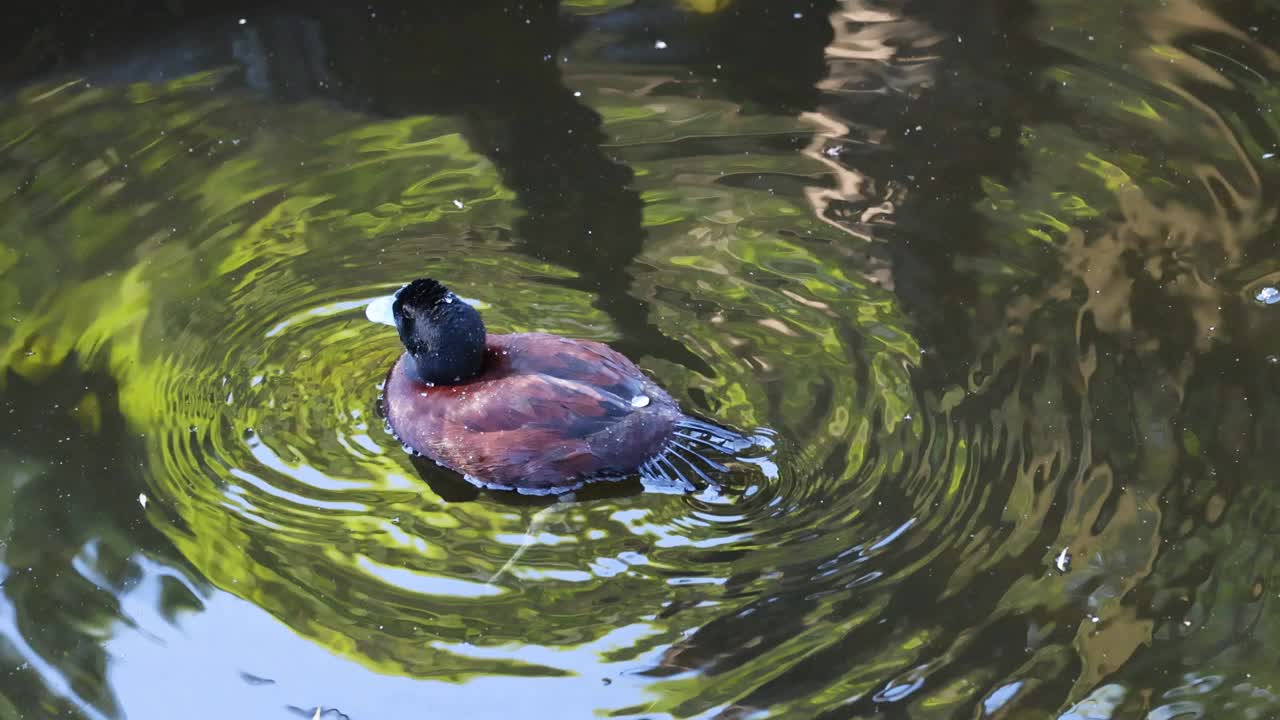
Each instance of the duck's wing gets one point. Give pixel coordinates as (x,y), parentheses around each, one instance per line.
(586,362)
(530,431)
(570,409)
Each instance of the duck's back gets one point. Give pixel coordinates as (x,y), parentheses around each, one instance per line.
(546,413)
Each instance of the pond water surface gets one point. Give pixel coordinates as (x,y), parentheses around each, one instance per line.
(993,279)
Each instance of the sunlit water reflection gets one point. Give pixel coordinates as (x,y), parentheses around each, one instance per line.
(997,400)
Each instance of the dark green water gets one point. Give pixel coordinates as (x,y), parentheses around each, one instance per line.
(987,274)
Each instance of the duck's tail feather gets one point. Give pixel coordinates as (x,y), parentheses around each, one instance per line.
(689,463)
(657,478)
(722,439)
(688,459)
(688,454)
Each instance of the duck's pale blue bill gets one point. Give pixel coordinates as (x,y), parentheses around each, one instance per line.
(379,310)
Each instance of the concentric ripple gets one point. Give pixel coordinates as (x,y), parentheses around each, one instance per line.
(256,382)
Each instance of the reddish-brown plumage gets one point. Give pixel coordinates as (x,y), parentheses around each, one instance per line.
(545,413)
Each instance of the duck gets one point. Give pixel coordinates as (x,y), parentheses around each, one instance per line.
(532,412)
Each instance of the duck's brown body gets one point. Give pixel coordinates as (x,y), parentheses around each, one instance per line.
(545,414)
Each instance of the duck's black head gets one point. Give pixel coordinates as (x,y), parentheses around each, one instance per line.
(443,335)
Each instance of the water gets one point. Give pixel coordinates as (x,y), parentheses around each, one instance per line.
(992,279)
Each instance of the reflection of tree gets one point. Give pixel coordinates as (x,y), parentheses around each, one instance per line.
(923,100)
(500,71)
(1140,309)
(766,55)
(74,530)
(1174,277)
(912,213)
(497,69)
(1125,373)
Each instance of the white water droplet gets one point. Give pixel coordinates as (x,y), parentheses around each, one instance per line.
(142,500)
(1063,561)
(640,401)
(661,45)
(243,21)
(458,204)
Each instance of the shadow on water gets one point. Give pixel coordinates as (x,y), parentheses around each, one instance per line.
(76,539)
(450,487)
